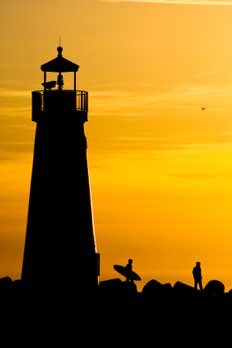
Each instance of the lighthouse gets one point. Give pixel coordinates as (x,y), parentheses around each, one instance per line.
(60,245)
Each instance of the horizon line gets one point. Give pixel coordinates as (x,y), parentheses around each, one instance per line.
(176,2)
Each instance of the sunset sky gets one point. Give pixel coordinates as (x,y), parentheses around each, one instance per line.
(160,167)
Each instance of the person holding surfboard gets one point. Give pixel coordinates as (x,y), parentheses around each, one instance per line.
(127,271)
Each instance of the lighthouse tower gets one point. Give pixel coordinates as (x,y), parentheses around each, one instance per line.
(60,246)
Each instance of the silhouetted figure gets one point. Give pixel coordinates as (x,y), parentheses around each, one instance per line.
(129,270)
(197,276)
(60,81)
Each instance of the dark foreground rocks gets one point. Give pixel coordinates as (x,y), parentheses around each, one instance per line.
(116,314)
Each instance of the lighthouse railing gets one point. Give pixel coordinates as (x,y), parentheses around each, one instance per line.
(49,100)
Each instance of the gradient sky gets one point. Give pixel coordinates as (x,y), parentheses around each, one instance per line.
(160,167)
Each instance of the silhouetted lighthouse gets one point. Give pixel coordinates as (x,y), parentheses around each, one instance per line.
(60,243)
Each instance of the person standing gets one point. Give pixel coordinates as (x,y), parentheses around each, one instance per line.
(128,269)
(197,276)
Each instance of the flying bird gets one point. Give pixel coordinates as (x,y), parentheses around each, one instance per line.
(203,108)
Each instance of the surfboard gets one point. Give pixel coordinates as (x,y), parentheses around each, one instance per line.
(123,271)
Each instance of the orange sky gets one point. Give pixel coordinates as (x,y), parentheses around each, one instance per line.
(160,168)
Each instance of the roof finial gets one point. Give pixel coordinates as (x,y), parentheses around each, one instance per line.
(59,48)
